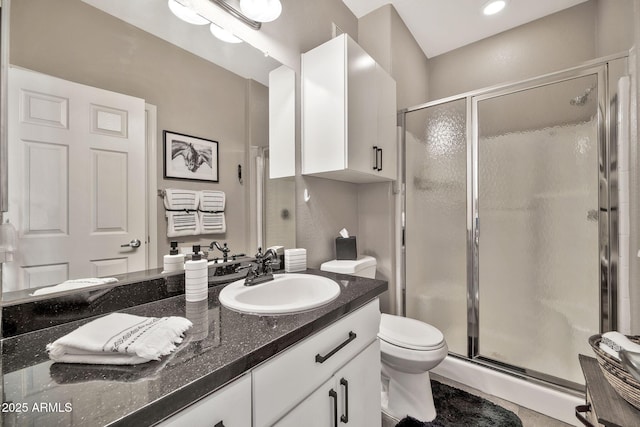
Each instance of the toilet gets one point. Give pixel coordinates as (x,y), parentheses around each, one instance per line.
(409,349)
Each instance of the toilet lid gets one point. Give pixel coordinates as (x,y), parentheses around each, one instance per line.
(409,333)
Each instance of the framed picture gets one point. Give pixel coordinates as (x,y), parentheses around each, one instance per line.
(189,157)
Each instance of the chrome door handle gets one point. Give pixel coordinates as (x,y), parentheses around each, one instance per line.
(135,243)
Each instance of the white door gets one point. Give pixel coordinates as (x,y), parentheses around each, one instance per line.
(76,180)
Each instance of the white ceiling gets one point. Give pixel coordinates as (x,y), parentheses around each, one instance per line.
(440,26)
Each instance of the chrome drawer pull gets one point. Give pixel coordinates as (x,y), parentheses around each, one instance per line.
(321,359)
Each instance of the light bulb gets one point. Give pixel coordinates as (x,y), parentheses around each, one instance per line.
(186,14)
(222,34)
(261,10)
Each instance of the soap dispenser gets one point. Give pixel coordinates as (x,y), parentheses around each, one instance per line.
(196,277)
(175,260)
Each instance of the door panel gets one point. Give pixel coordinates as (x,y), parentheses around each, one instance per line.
(436,241)
(538,214)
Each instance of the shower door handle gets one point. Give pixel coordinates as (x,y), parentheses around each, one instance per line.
(592,215)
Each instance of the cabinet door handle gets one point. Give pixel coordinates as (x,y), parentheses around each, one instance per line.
(345,417)
(580,409)
(322,359)
(334,396)
(220,424)
(380,165)
(375,157)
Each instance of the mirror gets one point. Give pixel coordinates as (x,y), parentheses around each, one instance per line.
(188,83)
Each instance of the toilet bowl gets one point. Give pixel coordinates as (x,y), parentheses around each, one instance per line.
(409,349)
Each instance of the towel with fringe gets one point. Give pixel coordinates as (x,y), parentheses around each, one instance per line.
(182,215)
(120,339)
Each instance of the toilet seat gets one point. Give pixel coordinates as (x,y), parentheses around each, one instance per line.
(410,333)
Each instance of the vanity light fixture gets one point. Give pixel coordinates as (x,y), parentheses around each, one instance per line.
(186,14)
(493,6)
(222,34)
(261,10)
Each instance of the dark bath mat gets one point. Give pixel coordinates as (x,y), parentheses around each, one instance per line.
(457,408)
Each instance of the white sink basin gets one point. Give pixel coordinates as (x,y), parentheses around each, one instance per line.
(286,293)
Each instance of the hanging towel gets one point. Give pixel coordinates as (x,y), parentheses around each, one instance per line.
(182,224)
(211,212)
(120,339)
(180,200)
(612,342)
(74,284)
(212,201)
(212,223)
(181,212)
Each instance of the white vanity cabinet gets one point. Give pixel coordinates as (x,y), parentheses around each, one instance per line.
(348,114)
(293,387)
(228,407)
(351,396)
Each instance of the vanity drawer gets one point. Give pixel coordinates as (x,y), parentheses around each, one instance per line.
(283,381)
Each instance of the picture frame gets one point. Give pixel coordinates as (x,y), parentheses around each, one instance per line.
(190,158)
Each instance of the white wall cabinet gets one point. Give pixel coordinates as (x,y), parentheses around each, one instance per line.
(228,407)
(351,396)
(348,114)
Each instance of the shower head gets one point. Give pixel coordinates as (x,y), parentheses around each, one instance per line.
(580,100)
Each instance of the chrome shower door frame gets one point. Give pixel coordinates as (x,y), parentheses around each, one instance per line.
(607,70)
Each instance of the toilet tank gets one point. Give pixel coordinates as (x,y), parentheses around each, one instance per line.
(365,266)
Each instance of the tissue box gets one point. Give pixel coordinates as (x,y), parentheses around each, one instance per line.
(346,248)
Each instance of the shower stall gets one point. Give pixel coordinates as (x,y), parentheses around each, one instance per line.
(511,220)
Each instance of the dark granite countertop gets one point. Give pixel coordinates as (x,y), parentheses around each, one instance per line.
(221,345)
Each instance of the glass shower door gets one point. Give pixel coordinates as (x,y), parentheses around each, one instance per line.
(436,219)
(538,212)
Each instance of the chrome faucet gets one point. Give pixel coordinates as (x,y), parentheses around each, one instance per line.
(224,249)
(261,270)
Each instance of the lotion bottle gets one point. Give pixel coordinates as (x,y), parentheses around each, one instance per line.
(175,260)
(196,277)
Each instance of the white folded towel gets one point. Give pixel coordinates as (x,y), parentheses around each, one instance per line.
(74,284)
(120,339)
(612,342)
(176,199)
(212,201)
(212,223)
(182,223)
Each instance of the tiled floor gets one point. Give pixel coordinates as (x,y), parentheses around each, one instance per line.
(529,418)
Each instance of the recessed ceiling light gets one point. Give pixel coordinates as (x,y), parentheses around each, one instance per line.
(186,14)
(494,6)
